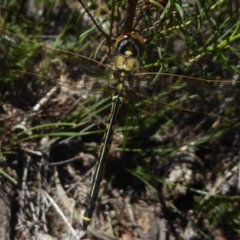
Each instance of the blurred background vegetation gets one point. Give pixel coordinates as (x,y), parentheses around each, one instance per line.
(171,174)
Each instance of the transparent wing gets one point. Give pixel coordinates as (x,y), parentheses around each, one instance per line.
(36,80)
(178,107)
(183,105)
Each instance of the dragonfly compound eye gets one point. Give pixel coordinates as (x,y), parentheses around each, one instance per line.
(130,45)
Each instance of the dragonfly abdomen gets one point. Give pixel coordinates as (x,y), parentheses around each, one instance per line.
(117,101)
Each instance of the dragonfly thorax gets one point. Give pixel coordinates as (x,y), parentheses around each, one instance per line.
(125,64)
(123,70)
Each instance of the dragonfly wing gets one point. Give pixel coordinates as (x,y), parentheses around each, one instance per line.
(186,107)
(41,68)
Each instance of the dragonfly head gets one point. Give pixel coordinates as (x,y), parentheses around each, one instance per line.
(130,45)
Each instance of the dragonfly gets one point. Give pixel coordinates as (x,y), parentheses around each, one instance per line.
(152,93)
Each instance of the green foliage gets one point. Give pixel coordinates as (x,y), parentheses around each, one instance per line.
(221,212)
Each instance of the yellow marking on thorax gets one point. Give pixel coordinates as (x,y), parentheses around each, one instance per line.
(126,63)
(120,88)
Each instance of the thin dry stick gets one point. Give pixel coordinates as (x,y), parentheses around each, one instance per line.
(94,21)
(128,21)
(58,210)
